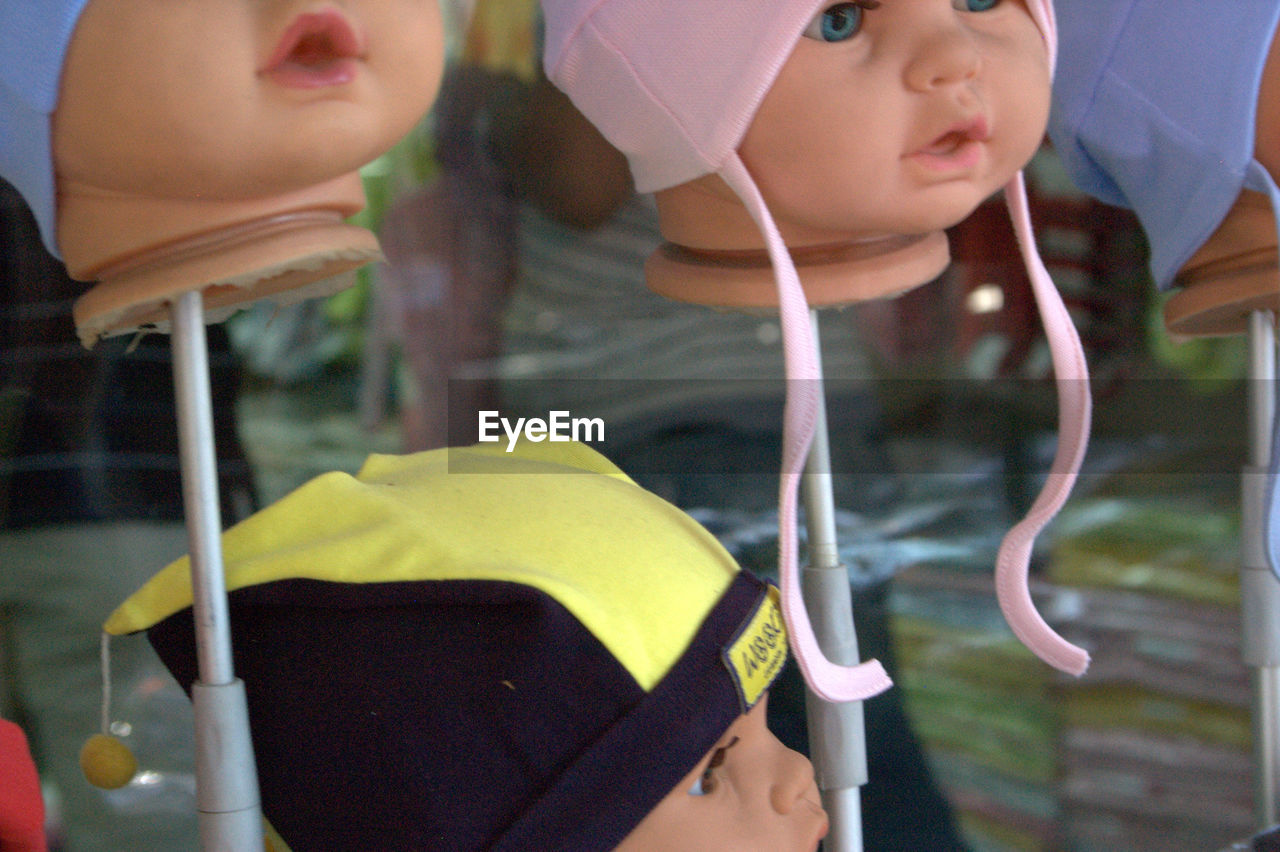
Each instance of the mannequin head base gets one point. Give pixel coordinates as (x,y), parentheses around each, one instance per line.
(1229,277)
(143,252)
(288,258)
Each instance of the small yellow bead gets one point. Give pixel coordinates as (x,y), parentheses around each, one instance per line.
(106,762)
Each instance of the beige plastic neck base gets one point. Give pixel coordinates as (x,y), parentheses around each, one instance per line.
(830,275)
(1232,275)
(145,252)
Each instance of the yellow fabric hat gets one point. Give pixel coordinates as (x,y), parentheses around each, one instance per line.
(475,649)
(484,514)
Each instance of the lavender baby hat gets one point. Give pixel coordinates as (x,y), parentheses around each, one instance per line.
(34,35)
(674,84)
(1154,108)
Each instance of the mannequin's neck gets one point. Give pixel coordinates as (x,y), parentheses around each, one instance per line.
(715,255)
(143,252)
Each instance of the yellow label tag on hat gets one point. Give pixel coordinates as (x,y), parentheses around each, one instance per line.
(757,653)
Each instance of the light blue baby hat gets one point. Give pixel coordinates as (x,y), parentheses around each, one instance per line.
(1154,105)
(34,35)
(1155,109)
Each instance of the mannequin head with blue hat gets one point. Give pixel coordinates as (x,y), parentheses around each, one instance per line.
(1192,146)
(205,145)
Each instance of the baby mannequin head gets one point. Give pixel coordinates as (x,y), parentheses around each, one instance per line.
(223,144)
(866,127)
(500,651)
(889,122)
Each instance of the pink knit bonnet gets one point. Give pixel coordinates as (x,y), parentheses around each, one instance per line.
(674,84)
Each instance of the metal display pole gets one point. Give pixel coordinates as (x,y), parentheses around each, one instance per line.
(837,738)
(227,802)
(1259,588)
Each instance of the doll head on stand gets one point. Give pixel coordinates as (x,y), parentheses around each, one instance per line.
(503,651)
(840,139)
(206,144)
(1192,146)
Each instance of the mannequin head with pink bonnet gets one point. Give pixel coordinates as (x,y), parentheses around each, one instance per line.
(810,153)
(866,127)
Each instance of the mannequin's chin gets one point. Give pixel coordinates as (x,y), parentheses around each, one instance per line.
(940,212)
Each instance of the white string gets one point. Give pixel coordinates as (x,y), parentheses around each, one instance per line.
(105,660)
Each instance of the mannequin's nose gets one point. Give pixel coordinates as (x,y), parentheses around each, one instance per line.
(943,53)
(792,781)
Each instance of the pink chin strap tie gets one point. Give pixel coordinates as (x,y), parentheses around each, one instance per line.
(838,683)
(828,680)
(1074,407)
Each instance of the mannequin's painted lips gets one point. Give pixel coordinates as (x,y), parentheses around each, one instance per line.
(960,147)
(318,50)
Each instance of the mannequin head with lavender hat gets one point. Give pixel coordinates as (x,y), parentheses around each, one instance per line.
(1192,147)
(215,143)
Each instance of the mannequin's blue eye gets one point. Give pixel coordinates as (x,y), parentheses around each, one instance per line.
(836,23)
(975,5)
